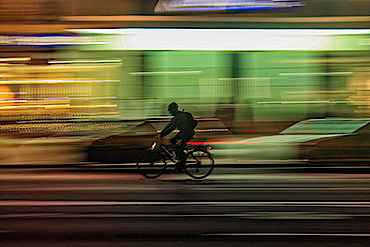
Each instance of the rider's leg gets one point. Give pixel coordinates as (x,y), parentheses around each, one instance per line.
(182,146)
(176,146)
(181,155)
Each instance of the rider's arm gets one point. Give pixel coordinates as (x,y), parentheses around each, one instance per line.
(171,126)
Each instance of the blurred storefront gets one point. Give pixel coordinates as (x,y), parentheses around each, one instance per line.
(44,91)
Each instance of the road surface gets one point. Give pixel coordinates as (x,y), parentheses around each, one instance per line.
(97,206)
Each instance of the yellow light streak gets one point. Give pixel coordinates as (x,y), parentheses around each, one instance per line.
(58,81)
(211,130)
(24,107)
(15,68)
(85,61)
(15,59)
(93,106)
(13,101)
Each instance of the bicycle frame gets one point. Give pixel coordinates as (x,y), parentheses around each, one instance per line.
(169,156)
(162,148)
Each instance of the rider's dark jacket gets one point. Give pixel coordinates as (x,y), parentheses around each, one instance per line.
(183,121)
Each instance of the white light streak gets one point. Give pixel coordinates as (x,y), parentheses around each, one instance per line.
(165,72)
(327,73)
(230,39)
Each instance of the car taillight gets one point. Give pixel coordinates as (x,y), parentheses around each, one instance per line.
(153,146)
(209,148)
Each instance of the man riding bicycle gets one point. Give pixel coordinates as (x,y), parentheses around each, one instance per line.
(185,123)
(197,162)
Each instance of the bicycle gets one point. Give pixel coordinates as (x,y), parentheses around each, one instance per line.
(153,161)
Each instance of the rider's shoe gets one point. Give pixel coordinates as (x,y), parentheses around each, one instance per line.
(180,166)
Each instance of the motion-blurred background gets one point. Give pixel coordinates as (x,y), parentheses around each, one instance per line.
(281,90)
(92,69)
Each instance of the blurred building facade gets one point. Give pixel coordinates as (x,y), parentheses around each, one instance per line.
(53,70)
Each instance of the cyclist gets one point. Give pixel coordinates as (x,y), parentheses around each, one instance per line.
(185,123)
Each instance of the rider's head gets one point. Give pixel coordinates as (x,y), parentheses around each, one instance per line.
(173,108)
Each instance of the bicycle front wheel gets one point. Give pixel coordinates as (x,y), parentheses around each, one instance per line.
(199,164)
(151,164)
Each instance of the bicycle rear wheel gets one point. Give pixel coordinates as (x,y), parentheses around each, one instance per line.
(199,164)
(151,164)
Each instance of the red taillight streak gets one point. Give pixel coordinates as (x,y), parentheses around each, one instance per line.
(214,143)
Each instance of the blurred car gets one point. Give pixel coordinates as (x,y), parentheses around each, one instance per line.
(125,147)
(313,140)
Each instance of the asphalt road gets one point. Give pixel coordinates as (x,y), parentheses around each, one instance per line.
(109,206)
